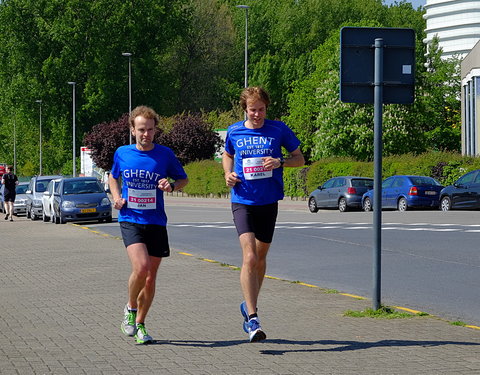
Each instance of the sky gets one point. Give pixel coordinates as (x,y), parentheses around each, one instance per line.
(415,3)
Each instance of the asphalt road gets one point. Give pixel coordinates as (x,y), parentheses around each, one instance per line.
(430,259)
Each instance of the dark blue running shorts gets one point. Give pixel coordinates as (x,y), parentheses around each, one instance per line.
(155,237)
(259,220)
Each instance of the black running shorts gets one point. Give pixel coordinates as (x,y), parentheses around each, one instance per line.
(259,220)
(155,237)
(9,196)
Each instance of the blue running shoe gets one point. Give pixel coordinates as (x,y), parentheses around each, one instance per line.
(255,332)
(243,310)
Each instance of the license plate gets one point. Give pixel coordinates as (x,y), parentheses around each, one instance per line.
(430,192)
(88,210)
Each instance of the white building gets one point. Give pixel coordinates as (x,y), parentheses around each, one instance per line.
(457,24)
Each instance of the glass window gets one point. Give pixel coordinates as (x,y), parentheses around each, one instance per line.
(387,183)
(329,183)
(468,178)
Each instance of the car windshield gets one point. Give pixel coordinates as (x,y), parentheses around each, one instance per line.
(21,189)
(81,187)
(362,183)
(424,181)
(41,186)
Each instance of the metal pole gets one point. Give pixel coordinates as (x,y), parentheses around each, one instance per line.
(15,143)
(245,84)
(377,199)
(246,47)
(74,168)
(130,89)
(40,167)
(129,55)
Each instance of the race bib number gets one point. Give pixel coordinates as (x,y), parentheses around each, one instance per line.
(142,199)
(254,170)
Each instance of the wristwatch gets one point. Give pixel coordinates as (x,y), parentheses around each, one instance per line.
(172,186)
(282,161)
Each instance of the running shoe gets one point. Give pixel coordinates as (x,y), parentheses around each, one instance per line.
(128,325)
(11,218)
(142,336)
(6,217)
(243,310)
(255,332)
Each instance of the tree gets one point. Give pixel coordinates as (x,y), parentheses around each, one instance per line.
(105,138)
(191,138)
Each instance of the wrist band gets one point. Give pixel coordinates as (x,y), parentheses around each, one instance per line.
(172,186)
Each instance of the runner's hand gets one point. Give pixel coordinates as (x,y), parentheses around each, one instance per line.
(164,185)
(270,163)
(231,179)
(118,203)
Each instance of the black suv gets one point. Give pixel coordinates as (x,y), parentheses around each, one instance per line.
(36,187)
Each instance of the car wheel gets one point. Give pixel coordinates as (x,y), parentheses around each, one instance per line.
(367,205)
(61,220)
(342,205)
(108,219)
(402,204)
(45,218)
(445,204)
(312,205)
(28,213)
(32,214)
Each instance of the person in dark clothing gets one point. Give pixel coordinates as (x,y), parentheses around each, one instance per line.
(10,182)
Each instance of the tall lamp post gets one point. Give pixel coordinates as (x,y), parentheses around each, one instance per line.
(246,7)
(15,143)
(74,169)
(40,102)
(129,55)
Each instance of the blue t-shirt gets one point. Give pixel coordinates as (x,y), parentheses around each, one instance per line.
(258,186)
(140,172)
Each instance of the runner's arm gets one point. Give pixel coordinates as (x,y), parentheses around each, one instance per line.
(231,177)
(116,192)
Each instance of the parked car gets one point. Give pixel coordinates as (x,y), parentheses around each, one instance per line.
(47,199)
(36,187)
(344,193)
(81,199)
(404,192)
(463,194)
(20,205)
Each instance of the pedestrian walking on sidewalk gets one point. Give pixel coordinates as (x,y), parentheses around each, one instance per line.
(253,166)
(10,182)
(145,169)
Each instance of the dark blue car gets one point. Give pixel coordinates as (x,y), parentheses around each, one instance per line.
(464,194)
(404,192)
(80,199)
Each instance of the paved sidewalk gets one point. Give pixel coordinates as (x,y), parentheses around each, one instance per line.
(63,290)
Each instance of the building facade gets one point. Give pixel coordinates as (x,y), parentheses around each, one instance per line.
(470,73)
(455,22)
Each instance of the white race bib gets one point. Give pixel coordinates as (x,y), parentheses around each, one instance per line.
(142,199)
(253,169)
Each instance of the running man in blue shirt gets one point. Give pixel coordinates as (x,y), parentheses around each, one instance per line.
(253,166)
(143,168)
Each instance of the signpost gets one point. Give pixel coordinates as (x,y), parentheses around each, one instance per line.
(377,65)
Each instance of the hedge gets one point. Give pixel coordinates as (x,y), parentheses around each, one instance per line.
(206,177)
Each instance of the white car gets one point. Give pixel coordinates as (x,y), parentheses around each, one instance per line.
(47,199)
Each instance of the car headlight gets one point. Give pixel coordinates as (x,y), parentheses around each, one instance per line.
(68,204)
(105,202)
(37,202)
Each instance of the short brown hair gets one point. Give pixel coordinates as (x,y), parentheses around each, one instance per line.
(254,93)
(143,111)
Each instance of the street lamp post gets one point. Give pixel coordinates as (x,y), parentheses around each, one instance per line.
(15,143)
(129,55)
(74,169)
(246,7)
(40,168)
